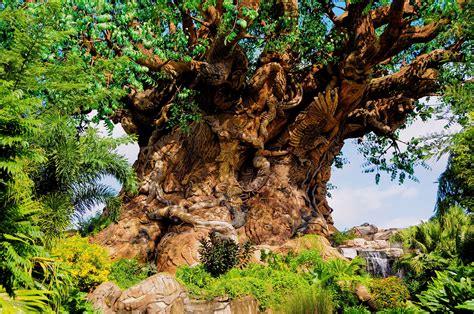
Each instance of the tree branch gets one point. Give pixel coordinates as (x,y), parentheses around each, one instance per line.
(414,79)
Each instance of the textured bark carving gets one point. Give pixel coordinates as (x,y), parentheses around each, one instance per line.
(257,165)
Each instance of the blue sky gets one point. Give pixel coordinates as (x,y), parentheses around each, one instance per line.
(357,199)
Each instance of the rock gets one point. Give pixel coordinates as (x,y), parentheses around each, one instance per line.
(385,234)
(365,231)
(377,244)
(394,252)
(134,236)
(356,242)
(161,293)
(104,296)
(155,293)
(180,249)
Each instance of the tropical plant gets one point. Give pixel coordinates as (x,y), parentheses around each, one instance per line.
(456,183)
(19,236)
(128,272)
(219,254)
(69,182)
(313,300)
(451,291)
(88,263)
(436,244)
(356,309)
(34,88)
(76,302)
(24,301)
(389,293)
(270,287)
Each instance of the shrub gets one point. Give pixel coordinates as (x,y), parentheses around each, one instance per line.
(283,281)
(450,291)
(309,301)
(357,309)
(77,303)
(270,287)
(389,293)
(400,311)
(128,272)
(88,263)
(339,237)
(219,254)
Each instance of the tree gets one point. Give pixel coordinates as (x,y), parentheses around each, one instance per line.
(69,183)
(47,161)
(241,107)
(456,183)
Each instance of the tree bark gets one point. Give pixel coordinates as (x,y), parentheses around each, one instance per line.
(256,166)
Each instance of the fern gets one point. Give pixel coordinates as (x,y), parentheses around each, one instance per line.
(25,301)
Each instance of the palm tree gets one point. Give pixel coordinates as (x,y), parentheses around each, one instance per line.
(432,246)
(69,183)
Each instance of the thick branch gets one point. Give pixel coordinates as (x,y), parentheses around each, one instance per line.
(382,116)
(414,79)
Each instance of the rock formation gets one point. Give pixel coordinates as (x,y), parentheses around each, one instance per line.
(161,293)
(374,246)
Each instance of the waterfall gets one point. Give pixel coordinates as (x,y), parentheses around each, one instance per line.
(377,263)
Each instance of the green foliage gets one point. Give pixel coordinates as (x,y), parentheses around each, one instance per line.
(282,281)
(219,254)
(401,311)
(389,293)
(456,183)
(339,237)
(18,233)
(434,245)
(184,110)
(269,286)
(89,264)
(128,272)
(451,291)
(76,302)
(357,309)
(68,183)
(309,301)
(42,149)
(24,301)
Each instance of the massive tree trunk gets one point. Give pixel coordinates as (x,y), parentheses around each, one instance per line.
(256,165)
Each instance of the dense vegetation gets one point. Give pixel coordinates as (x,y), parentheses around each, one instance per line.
(66,66)
(51,164)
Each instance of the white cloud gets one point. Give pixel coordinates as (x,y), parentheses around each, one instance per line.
(367,204)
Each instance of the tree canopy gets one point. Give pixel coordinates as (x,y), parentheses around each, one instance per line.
(240,107)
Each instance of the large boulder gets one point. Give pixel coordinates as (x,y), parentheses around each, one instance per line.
(161,293)
(365,231)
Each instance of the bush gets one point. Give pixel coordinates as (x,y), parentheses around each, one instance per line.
(77,303)
(339,237)
(270,287)
(219,254)
(309,301)
(357,309)
(128,272)
(389,293)
(89,263)
(450,291)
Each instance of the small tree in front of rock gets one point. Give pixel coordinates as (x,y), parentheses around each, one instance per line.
(220,254)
